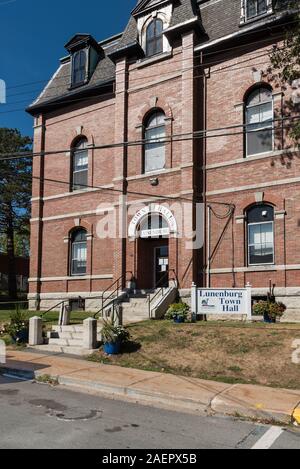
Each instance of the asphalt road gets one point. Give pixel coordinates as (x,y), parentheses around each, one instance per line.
(38,416)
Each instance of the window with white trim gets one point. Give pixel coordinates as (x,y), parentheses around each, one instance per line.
(256,8)
(78,252)
(260,223)
(80,163)
(155,133)
(259,121)
(154,37)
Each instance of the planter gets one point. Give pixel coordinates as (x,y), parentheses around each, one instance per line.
(269,320)
(112,348)
(179,320)
(21,337)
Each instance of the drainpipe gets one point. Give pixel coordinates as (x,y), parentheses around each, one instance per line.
(208,246)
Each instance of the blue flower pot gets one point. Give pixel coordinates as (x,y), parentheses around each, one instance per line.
(179,320)
(22,336)
(268,320)
(112,348)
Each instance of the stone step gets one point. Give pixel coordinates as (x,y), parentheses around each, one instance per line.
(50,348)
(75,328)
(66,342)
(65,335)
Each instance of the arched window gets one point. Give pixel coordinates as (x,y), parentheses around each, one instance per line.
(78,252)
(155,133)
(80,162)
(154,38)
(259,121)
(79,68)
(260,221)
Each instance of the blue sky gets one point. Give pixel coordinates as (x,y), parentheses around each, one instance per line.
(32,38)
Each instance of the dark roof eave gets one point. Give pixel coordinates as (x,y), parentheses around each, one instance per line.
(53,104)
(134,48)
(245,31)
(192,24)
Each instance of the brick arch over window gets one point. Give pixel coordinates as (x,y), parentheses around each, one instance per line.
(153,104)
(72,225)
(246,92)
(82,132)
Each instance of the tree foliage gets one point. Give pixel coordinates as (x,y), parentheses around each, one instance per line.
(285,58)
(15,194)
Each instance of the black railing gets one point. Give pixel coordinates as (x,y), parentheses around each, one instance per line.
(160,290)
(115,288)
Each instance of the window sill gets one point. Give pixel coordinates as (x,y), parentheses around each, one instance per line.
(255,19)
(152,60)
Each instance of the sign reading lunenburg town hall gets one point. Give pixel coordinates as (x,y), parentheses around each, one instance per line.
(230,301)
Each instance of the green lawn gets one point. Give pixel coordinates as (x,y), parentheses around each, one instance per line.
(49,318)
(230,352)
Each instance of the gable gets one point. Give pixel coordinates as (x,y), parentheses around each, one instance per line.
(145,5)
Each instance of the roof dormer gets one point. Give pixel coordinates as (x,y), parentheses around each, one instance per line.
(85,54)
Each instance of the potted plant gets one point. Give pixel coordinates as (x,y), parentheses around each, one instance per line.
(178,312)
(18,328)
(270,310)
(113,337)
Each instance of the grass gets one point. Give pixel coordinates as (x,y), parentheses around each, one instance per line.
(229,352)
(50,318)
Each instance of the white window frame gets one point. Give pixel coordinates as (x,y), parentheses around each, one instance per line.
(73,244)
(244,17)
(268,127)
(75,152)
(158,140)
(249,245)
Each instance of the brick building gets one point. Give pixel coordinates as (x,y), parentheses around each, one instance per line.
(137,131)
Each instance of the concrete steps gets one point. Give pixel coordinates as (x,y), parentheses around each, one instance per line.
(69,350)
(67,339)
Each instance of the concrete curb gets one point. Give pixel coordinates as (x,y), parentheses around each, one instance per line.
(219,404)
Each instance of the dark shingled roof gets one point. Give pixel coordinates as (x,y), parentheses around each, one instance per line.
(219,18)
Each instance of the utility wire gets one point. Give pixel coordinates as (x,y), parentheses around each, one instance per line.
(201,134)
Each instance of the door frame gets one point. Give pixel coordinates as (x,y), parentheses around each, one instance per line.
(155,258)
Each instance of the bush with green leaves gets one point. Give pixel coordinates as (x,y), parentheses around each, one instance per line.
(112,333)
(18,326)
(177,310)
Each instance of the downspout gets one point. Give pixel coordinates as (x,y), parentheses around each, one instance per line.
(207,217)
(208,246)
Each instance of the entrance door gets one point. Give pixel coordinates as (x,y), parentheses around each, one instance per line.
(162,266)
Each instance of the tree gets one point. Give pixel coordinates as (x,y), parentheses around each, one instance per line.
(15,194)
(285,58)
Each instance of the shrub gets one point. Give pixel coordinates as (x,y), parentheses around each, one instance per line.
(270,309)
(177,310)
(112,333)
(18,327)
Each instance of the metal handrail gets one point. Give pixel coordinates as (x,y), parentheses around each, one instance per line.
(161,290)
(106,302)
(53,307)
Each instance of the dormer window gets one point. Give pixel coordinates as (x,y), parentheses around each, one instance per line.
(85,54)
(154,38)
(256,8)
(79,63)
(252,9)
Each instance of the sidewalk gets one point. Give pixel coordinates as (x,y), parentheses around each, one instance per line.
(158,389)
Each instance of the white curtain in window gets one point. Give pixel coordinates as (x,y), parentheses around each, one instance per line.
(155,151)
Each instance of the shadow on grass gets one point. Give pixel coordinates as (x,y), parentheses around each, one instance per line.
(131,347)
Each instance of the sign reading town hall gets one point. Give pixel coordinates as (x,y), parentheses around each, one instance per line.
(221,301)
